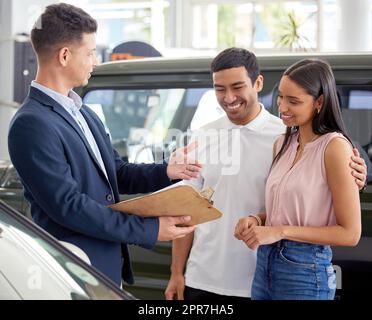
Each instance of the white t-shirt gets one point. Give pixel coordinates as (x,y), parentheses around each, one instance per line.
(236,161)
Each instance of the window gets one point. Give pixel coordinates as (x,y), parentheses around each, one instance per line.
(146,124)
(208,110)
(144,120)
(121,21)
(10,179)
(356,107)
(253,24)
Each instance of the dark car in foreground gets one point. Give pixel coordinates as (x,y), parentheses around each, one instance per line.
(148,105)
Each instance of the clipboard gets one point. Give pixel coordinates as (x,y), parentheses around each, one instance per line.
(176,201)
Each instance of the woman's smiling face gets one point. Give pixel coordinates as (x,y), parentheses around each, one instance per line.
(296,106)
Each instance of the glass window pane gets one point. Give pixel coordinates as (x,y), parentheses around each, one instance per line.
(286,25)
(139,120)
(289,25)
(356,107)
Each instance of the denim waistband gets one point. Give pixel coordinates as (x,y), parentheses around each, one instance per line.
(296,244)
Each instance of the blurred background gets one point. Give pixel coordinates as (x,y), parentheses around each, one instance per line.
(178,28)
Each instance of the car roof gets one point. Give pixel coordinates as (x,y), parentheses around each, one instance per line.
(202,64)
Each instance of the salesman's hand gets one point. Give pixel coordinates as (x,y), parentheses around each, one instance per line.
(175,288)
(168,229)
(181,165)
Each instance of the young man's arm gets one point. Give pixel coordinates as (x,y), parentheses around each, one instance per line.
(362,166)
(180,252)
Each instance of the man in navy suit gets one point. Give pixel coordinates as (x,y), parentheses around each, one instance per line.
(69,170)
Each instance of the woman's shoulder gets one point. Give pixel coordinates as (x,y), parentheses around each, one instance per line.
(336,139)
(334,134)
(337,146)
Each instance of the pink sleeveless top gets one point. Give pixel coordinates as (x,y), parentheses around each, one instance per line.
(300,196)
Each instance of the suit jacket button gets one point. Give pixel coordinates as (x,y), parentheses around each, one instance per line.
(109,197)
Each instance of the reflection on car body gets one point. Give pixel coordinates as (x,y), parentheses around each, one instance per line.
(34,266)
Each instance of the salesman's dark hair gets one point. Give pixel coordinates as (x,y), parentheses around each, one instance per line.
(235,58)
(59,25)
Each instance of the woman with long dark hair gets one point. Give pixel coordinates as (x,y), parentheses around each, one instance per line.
(312,201)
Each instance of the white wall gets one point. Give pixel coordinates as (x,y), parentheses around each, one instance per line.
(6,73)
(6,66)
(354,32)
(16,16)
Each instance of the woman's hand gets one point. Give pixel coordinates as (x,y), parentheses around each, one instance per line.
(256,236)
(243,225)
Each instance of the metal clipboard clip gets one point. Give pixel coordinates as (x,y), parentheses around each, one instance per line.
(207,193)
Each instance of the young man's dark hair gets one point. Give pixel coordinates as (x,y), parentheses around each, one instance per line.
(60,24)
(235,58)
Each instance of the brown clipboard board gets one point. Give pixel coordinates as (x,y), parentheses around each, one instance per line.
(177,201)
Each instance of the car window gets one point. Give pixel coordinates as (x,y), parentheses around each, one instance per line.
(208,110)
(138,120)
(356,108)
(3,168)
(31,268)
(10,179)
(142,122)
(266,98)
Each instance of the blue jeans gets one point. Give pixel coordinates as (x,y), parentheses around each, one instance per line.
(290,270)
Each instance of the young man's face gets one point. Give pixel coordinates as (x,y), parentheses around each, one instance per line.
(82,60)
(236,94)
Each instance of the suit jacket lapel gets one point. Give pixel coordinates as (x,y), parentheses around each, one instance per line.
(106,154)
(46,100)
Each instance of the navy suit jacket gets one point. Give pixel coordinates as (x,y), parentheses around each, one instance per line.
(67,189)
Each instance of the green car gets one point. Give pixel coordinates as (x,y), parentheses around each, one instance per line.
(148,105)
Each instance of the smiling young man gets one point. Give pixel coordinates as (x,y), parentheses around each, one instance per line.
(69,170)
(210,263)
(237,92)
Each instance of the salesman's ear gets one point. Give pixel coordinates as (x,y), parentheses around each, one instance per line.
(64,55)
